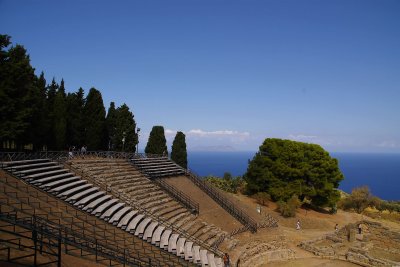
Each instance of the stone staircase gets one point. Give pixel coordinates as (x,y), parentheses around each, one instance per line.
(157,167)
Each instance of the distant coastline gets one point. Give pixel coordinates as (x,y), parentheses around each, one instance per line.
(379,171)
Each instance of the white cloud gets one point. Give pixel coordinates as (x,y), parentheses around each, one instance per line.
(169,132)
(388,144)
(312,139)
(303,137)
(199,132)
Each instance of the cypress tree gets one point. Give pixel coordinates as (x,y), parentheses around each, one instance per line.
(40,119)
(60,120)
(111,122)
(157,144)
(75,125)
(51,96)
(94,118)
(179,153)
(125,129)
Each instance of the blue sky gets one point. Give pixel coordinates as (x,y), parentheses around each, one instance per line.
(228,73)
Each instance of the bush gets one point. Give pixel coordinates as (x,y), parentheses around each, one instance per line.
(288,209)
(227,183)
(359,199)
(262,198)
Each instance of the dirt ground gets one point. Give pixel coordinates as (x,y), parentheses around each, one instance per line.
(313,225)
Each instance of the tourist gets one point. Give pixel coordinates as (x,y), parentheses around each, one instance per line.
(336,228)
(83,151)
(298,225)
(359,229)
(227,261)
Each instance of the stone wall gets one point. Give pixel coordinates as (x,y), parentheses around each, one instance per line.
(375,246)
(257,252)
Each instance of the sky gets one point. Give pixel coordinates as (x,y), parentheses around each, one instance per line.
(228,73)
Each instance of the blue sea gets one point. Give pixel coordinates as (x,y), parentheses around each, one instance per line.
(380,172)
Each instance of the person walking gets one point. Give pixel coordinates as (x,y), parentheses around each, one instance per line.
(227,261)
(298,226)
(336,228)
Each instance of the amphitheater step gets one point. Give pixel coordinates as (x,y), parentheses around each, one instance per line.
(68,186)
(86,200)
(203,257)
(48,186)
(97,202)
(74,191)
(22,162)
(196,254)
(111,211)
(180,247)
(141,227)
(51,178)
(119,215)
(165,238)
(31,166)
(211,260)
(103,207)
(149,231)
(133,224)
(44,174)
(38,170)
(124,222)
(74,198)
(189,251)
(156,238)
(172,243)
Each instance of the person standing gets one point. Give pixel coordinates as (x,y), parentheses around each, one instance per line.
(227,261)
(298,226)
(336,228)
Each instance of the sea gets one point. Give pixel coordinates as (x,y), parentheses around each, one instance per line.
(379,171)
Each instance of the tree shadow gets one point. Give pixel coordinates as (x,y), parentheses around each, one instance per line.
(307,207)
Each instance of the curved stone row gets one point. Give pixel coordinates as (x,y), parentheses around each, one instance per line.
(158,167)
(65,185)
(128,180)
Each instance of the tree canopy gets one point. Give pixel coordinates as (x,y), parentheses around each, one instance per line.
(284,168)
(157,144)
(179,153)
(121,128)
(35,115)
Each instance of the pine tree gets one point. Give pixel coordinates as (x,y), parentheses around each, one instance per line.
(284,168)
(157,143)
(94,118)
(179,153)
(17,91)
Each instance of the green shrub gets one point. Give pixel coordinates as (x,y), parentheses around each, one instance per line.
(262,198)
(288,209)
(227,183)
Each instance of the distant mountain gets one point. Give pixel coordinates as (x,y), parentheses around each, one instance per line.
(213,148)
